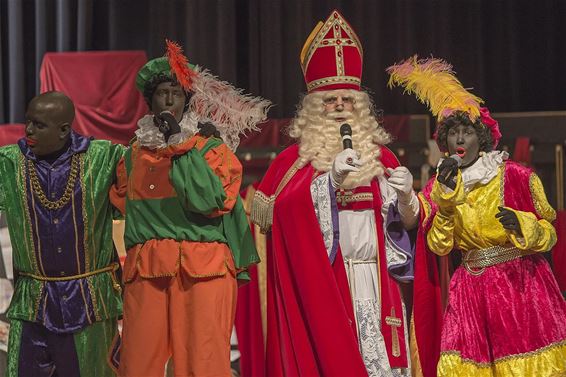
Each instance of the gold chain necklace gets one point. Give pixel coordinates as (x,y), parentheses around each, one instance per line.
(38,191)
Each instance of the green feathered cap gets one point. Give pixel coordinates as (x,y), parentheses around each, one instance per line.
(153,68)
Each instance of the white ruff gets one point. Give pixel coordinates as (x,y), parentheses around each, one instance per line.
(149,136)
(483,170)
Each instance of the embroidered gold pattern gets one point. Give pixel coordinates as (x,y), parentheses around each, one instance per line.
(22,187)
(318,40)
(345,197)
(333,80)
(394,322)
(262,207)
(542,207)
(504,358)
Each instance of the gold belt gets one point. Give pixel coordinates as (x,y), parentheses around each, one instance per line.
(476,261)
(111,268)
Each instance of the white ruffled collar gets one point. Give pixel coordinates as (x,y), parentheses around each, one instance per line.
(483,170)
(149,136)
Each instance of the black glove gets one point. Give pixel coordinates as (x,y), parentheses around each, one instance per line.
(447,170)
(167,124)
(207,130)
(509,220)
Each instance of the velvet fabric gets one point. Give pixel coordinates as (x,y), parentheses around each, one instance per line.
(311,326)
(42,352)
(512,311)
(334,56)
(311,329)
(512,308)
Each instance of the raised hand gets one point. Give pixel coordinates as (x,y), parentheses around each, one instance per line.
(345,162)
(401,180)
(167,124)
(447,171)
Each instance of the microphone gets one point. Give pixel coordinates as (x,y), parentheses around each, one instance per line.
(346,133)
(458,160)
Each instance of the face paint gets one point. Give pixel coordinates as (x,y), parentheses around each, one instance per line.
(463,141)
(45,134)
(169,96)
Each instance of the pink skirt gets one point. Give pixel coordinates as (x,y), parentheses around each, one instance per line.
(508,321)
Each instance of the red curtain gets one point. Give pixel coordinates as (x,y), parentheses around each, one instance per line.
(11,133)
(102,87)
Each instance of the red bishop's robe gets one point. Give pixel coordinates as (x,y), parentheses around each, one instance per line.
(311,327)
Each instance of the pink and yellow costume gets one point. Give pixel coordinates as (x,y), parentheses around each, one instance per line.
(508,319)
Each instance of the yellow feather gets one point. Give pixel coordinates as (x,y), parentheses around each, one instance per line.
(433,82)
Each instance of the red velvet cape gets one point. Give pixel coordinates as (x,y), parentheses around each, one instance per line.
(311,326)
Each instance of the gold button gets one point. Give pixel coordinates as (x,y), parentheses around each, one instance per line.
(151,187)
(151,168)
(55,221)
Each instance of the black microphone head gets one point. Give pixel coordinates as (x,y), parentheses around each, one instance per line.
(345,129)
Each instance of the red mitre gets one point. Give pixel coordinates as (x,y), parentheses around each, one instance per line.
(332,56)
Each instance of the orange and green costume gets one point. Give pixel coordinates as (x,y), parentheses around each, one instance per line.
(188,243)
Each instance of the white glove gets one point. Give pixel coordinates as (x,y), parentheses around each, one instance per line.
(401,180)
(345,162)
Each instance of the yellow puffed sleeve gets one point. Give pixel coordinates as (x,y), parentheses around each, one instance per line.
(538,235)
(440,237)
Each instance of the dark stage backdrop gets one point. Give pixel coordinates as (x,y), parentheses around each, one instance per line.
(512,52)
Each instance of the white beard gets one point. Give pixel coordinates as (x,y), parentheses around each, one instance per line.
(328,144)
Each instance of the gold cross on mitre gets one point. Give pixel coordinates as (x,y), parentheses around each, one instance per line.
(336,34)
(394,322)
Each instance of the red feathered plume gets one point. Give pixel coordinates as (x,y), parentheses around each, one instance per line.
(179,65)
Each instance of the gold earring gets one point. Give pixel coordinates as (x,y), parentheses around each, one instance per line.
(446,154)
(482,153)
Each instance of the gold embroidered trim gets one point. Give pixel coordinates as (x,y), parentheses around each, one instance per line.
(86,303)
(504,358)
(22,186)
(262,211)
(542,207)
(262,206)
(502,185)
(37,302)
(112,267)
(103,304)
(345,197)
(333,21)
(333,80)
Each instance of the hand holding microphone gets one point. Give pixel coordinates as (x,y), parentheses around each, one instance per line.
(167,124)
(448,170)
(346,161)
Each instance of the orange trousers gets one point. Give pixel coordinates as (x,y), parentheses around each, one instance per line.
(187,319)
